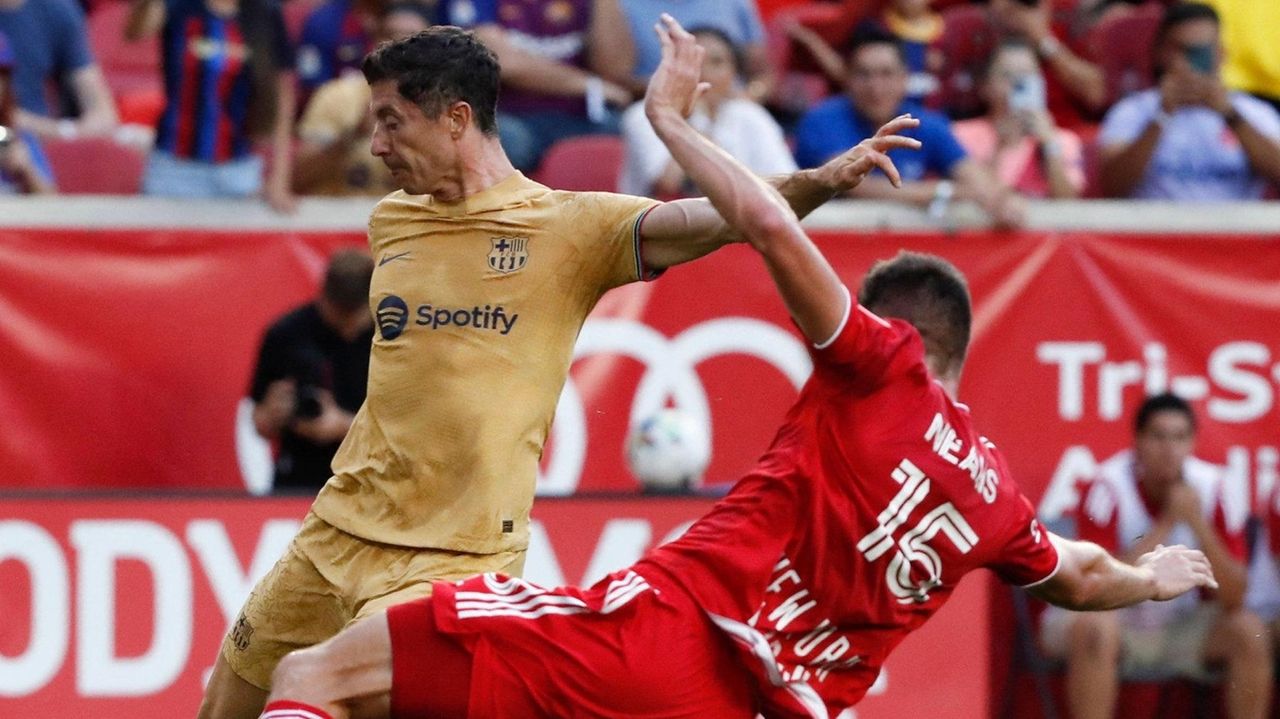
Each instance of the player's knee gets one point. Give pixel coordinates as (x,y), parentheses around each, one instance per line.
(306,674)
(1095,637)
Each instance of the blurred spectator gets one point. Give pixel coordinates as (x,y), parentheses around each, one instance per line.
(1190,138)
(737,19)
(51,47)
(916,26)
(1160,494)
(18,172)
(1077,88)
(565,66)
(1017,140)
(1252,62)
(876,92)
(336,129)
(734,122)
(335,38)
(228,79)
(312,373)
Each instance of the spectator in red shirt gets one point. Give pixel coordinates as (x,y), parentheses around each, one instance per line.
(1159,494)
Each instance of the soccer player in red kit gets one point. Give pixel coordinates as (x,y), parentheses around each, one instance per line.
(876,497)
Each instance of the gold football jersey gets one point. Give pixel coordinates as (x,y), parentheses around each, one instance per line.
(478,305)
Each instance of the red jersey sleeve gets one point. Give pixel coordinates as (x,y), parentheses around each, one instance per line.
(1028,556)
(865,349)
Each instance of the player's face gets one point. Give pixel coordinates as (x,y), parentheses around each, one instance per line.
(418,150)
(1164,444)
(877,82)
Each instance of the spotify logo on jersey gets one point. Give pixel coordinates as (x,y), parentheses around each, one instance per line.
(393,315)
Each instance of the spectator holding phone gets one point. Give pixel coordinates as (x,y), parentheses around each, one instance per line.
(313,372)
(1190,138)
(1017,139)
(1077,87)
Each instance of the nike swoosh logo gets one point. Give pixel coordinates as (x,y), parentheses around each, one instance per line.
(391,258)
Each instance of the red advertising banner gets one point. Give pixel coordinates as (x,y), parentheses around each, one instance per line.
(115,609)
(127,353)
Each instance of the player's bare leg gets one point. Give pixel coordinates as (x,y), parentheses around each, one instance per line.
(1241,641)
(229,697)
(348,676)
(1093,665)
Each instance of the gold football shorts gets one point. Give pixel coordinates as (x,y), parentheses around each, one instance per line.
(328,579)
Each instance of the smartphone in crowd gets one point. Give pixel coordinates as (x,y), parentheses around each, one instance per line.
(1027,93)
(1200,57)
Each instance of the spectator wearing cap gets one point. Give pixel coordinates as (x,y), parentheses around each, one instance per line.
(1190,137)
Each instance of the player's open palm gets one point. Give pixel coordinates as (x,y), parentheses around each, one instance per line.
(1177,570)
(675,85)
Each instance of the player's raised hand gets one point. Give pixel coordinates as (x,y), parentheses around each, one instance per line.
(674,87)
(846,171)
(1177,570)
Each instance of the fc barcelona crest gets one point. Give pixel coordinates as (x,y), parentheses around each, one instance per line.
(509,253)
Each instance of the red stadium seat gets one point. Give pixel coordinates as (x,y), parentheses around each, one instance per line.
(128,66)
(968,37)
(95,166)
(1122,44)
(584,163)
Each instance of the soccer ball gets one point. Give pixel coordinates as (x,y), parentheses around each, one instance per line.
(668,451)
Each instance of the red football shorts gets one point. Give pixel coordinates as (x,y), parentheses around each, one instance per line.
(498,647)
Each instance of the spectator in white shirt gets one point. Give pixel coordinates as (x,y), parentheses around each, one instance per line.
(724,114)
(1189,138)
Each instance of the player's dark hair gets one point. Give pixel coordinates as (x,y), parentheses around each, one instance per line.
(873,33)
(928,292)
(1167,402)
(735,52)
(1181,12)
(438,67)
(346,281)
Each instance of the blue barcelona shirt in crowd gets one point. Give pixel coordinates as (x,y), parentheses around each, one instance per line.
(834,126)
(208,81)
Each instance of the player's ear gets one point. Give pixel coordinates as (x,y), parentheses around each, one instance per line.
(459,117)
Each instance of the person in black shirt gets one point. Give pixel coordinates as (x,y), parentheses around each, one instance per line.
(312,374)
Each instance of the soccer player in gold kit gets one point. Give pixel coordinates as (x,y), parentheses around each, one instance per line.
(483,281)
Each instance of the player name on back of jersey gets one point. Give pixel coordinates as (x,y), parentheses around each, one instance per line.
(948,445)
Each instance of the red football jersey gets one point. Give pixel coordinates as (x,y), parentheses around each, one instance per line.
(876,497)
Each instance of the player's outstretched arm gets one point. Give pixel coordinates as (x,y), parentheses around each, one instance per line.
(809,286)
(684,230)
(1089,579)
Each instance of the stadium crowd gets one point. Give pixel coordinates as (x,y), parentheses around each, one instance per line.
(1019,99)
